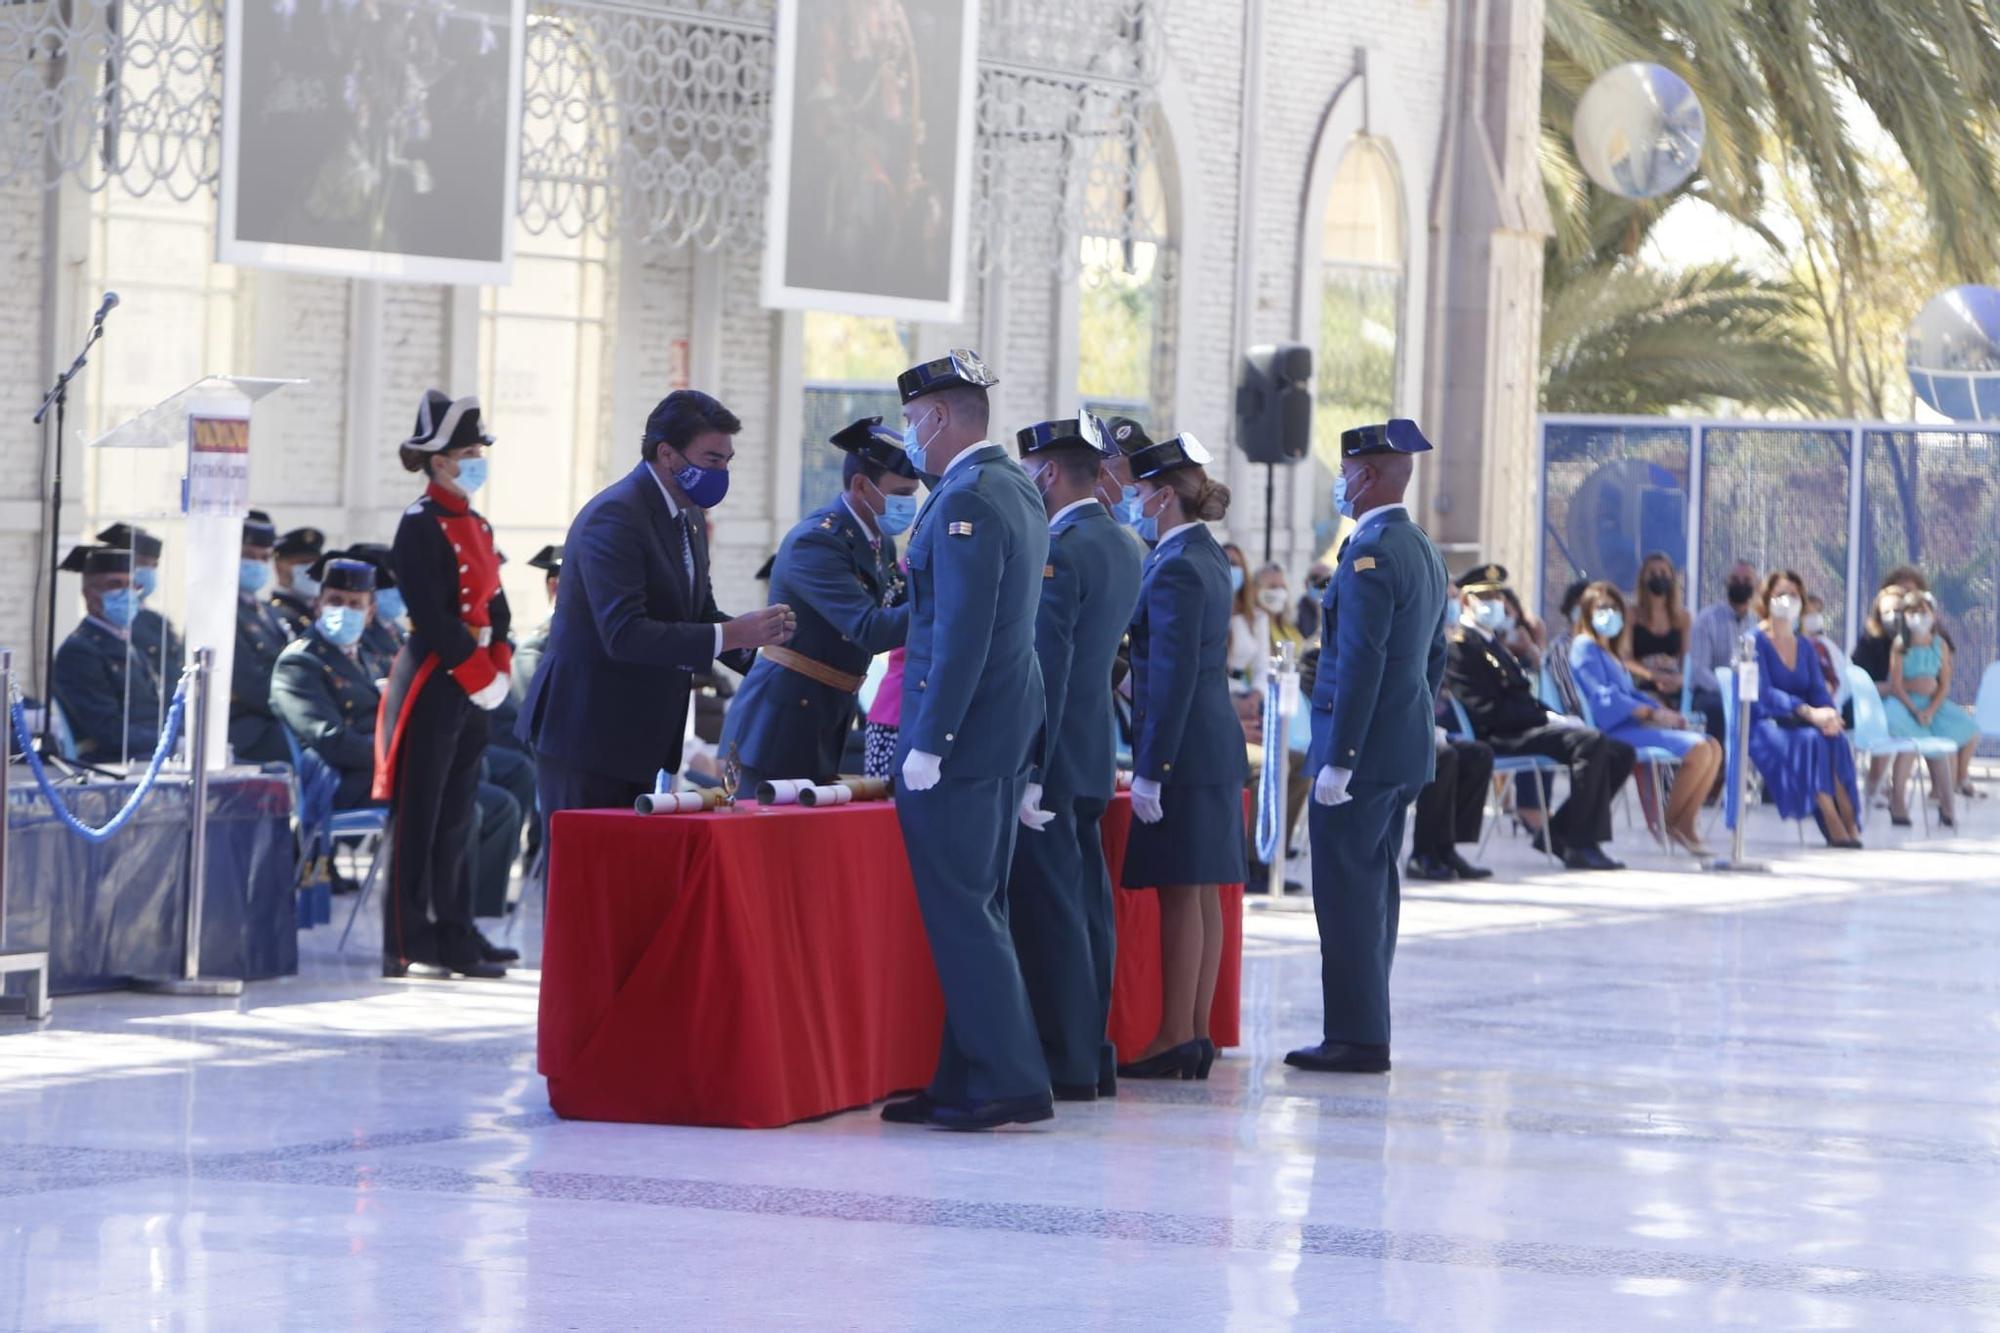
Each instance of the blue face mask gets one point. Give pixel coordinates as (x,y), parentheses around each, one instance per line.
(471,474)
(145,578)
(120,605)
(389,604)
(1606,621)
(1490,615)
(1126,511)
(898,512)
(703,486)
(342,625)
(1148,526)
(1235,580)
(304,584)
(1341,504)
(252,575)
(914,447)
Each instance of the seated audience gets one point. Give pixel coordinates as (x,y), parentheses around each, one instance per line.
(106,684)
(1796,737)
(1920,706)
(1656,636)
(1832,660)
(1879,632)
(1274,611)
(1712,642)
(1559,672)
(1451,809)
(1524,636)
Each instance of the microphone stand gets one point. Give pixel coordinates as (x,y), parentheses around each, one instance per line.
(58,398)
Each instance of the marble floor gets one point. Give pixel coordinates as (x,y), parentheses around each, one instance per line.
(1656,1099)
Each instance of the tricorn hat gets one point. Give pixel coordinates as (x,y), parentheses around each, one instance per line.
(548,559)
(447,423)
(97,560)
(134,539)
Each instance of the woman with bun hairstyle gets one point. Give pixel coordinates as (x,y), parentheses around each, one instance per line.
(1189,759)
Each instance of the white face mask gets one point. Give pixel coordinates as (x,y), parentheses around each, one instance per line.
(1273,600)
(1785,607)
(1920,622)
(1815,623)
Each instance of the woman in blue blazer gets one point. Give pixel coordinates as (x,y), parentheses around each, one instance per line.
(1622,712)
(1190,761)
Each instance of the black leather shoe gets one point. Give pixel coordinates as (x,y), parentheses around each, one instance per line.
(1430,867)
(1578,858)
(495,953)
(910,1111)
(395,969)
(1465,869)
(1340,1057)
(993,1114)
(1182,1061)
(1595,859)
(1107,1085)
(1540,842)
(477,969)
(1075,1092)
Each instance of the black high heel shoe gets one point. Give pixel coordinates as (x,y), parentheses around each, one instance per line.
(1182,1061)
(1207,1058)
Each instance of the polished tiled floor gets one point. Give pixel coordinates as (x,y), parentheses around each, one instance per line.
(1655,1099)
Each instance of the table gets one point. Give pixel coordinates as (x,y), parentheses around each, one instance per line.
(768,966)
(107,912)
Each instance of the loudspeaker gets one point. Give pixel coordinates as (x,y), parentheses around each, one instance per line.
(1274,403)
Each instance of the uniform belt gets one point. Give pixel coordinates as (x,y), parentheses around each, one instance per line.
(812,670)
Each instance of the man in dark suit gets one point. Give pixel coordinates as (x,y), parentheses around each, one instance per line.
(972,709)
(637,619)
(1506,712)
(1382,646)
(1059,894)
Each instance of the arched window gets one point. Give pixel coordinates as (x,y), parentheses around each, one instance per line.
(851,364)
(1361,296)
(1128,280)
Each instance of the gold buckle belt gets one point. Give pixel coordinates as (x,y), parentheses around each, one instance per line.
(812,670)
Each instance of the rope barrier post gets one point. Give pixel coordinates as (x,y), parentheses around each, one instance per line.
(31,963)
(191,982)
(1739,762)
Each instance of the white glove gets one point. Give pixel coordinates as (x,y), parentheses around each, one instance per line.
(1330,787)
(1444,737)
(492,694)
(1146,800)
(1566,722)
(921,771)
(1031,811)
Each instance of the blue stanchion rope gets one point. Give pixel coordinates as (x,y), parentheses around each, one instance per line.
(1271,783)
(168,734)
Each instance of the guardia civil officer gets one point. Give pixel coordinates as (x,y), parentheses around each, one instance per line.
(324,688)
(384,635)
(972,711)
(153,635)
(1059,895)
(1382,659)
(528,655)
(108,689)
(1189,760)
(254,735)
(295,555)
(450,672)
(837,571)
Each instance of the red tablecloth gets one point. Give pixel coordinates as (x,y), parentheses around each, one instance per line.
(770,966)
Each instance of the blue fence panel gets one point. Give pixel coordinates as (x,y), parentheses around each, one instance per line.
(1611,493)
(1777,497)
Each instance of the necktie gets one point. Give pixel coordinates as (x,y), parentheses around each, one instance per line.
(687,545)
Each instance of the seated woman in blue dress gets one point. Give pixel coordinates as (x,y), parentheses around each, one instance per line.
(1621,711)
(1796,737)
(1918,701)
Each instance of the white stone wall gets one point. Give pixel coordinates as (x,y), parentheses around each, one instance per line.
(325,454)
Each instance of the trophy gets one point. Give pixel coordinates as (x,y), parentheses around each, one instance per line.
(732,778)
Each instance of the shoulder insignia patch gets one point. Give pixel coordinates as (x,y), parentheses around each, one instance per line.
(960,528)
(1364,564)
(1048,571)
(826,524)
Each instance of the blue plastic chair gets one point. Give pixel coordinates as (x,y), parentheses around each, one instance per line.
(1510,767)
(1871,735)
(1657,759)
(1986,708)
(320,831)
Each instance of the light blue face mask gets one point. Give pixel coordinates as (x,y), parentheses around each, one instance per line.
(914,448)
(898,512)
(1491,615)
(304,584)
(1148,526)
(1126,511)
(252,575)
(120,605)
(342,625)
(389,604)
(471,475)
(145,578)
(1607,622)
(1235,580)
(1341,504)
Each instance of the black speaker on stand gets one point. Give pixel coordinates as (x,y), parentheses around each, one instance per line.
(1274,407)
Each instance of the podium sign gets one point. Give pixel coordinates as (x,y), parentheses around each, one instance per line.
(218,463)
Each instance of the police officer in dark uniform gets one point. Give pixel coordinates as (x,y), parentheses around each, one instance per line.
(296,553)
(1382,660)
(528,655)
(152,634)
(384,635)
(972,709)
(324,687)
(837,570)
(107,688)
(254,734)
(1059,894)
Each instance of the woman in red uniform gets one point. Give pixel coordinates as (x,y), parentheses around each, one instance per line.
(449,673)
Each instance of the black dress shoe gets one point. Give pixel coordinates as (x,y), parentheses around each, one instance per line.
(476,968)
(1600,861)
(1107,1085)
(495,953)
(1430,867)
(1539,840)
(397,968)
(1341,1057)
(1182,1061)
(910,1111)
(991,1115)
(1075,1092)
(1208,1054)
(1465,869)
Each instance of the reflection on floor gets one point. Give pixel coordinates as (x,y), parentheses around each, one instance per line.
(1655,1098)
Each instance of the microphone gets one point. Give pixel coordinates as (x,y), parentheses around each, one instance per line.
(110,304)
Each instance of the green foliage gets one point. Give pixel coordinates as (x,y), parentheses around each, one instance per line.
(1356,375)
(1118,308)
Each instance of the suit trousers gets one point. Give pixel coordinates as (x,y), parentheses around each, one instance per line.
(561,787)
(1451,809)
(1357,900)
(1058,905)
(960,839)
(427,913)
(1598,767)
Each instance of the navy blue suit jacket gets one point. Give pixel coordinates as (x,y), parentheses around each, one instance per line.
(1185,730)
(628,636)
(1089,587)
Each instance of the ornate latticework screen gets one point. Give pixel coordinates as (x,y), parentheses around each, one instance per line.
(651,117)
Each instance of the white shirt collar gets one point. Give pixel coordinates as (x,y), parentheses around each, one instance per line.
(1174,532)
(1070,508)
(108,627)
(665,494)
(1380,512)
(868,529)
(962,456)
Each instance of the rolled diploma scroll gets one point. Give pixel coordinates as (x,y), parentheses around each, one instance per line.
(677,802)
(782,791)
(832,794)
(1124,780)
(867,789)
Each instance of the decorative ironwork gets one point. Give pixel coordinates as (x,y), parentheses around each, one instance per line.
(647,115)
